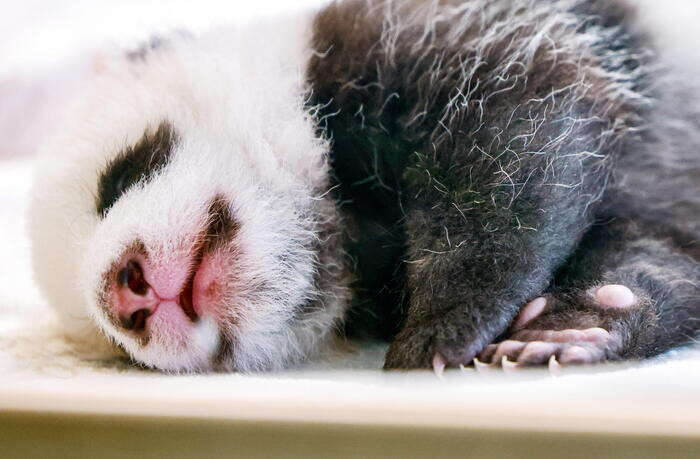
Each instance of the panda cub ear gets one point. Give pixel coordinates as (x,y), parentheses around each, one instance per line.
(140,53)
(155,44)
(104,59)
(135,164)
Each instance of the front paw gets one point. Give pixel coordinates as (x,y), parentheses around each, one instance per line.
(411,348)
(583,328)
(437,345)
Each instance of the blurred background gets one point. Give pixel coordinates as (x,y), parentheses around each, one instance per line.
(48,47)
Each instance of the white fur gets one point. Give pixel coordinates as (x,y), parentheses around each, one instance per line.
(236,102)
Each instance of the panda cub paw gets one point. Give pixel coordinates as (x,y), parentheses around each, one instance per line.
(558,330)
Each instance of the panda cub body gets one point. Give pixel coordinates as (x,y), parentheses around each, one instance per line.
(479,181)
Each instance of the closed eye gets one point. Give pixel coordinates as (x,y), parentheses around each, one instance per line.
(134,165)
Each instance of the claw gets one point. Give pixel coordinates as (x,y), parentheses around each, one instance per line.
(507,365)
(554,365)
(439,364)
(481,366)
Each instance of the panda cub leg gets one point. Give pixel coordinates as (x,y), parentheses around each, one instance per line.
(622,296)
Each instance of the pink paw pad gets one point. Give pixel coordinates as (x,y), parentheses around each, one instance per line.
(529,346)
(590,335)
(615,296)
(542,347)
(579,355)
(531,310)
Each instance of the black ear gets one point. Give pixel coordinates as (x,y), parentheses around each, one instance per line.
(135,164)
(140,53)
(154,44)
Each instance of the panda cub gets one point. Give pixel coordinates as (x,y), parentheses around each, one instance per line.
(494,182)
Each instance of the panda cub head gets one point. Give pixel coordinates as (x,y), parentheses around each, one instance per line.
(183,213)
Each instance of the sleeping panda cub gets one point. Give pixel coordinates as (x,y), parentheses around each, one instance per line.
(493,182)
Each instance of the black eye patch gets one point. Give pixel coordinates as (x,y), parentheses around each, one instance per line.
(135,164)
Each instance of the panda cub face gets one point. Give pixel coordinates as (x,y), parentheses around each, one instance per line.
(182,212)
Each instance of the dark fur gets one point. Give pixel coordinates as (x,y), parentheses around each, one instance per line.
(477,175)
(135,164)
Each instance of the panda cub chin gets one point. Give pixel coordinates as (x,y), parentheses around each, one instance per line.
(469,180)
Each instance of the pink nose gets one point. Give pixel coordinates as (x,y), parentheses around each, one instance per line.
(135,299)
(141,286)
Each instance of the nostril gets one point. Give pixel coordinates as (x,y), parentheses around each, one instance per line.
(132,275)
(136,321)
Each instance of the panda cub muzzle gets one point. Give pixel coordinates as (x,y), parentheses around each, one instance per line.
(139,288)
